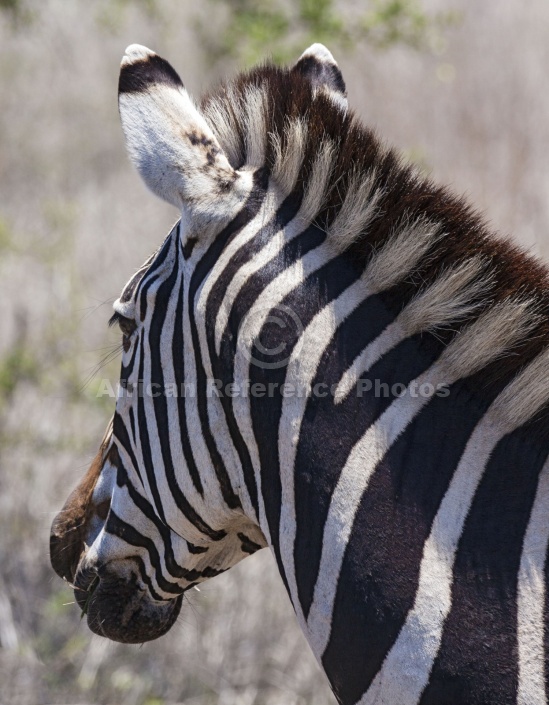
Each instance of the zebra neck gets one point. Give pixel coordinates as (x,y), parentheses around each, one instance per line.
(373,455)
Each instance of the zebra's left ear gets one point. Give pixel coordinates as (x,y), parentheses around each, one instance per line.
(170,143)
(320,67)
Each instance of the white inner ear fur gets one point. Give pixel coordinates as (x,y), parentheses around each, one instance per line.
(179,157)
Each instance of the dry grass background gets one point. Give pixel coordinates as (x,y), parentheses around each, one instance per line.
(75,222)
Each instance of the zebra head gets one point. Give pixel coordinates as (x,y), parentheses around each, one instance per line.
(166,503)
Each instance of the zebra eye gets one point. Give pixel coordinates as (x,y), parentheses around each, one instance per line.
(126,325)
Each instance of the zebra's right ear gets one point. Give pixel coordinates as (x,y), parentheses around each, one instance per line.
(170,143)
(320,67)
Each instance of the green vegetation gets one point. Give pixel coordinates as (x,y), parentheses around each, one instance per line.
(256,28)
(17,366)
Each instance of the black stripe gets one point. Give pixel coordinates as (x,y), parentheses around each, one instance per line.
(287,210)
(222,365)
(144,440)
(126,370)
(248,546)
(319,288)
(143,295)
(141,502)
(203,267)
(242,218)
(347,422)
(165,532)
(131,286)
(144,74)
(163,294)
(145,578)
(189,246)
(308,240)
(380,571)
(132,426)
(117,527)
(478,661)
(196,549)
(120,433)
(178,355)
(152,274)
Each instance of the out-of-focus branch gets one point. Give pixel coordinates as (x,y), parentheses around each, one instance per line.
(254,28)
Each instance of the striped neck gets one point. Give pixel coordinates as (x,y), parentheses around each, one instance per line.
(372,449)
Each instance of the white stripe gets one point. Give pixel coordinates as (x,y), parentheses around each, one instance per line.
(531,599)
(270,204)
(170,509)
(302,369)
(213,498)
(216,415)
(451,298)
(200,504)
(208,508)
(388,339)
(406,669)
(248,269)
(353,482)
(405,248)
(253,322)
(468,352)
(116,547)
(309,207)
(301,372)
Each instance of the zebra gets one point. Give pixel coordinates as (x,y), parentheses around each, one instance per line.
(332,356)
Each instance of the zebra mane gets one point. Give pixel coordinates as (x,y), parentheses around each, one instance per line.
(430,256)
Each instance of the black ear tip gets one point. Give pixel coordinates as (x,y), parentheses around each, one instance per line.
(321,73)
(141,69)
(320,67)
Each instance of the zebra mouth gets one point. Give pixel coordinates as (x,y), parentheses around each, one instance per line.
(118,609)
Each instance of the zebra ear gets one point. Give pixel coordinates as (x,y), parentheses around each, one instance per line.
(320,67)
(169,141)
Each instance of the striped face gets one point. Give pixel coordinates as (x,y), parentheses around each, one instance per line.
(165,504)
(156,513)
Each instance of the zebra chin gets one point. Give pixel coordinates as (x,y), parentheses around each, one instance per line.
(118,608)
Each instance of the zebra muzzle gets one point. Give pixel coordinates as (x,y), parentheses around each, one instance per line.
(118,608)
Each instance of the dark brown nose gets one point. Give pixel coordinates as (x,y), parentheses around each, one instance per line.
(69,527)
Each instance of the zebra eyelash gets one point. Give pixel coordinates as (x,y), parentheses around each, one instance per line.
(127,325)
(114,319)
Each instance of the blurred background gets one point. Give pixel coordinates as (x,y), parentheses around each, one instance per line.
(459,86)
